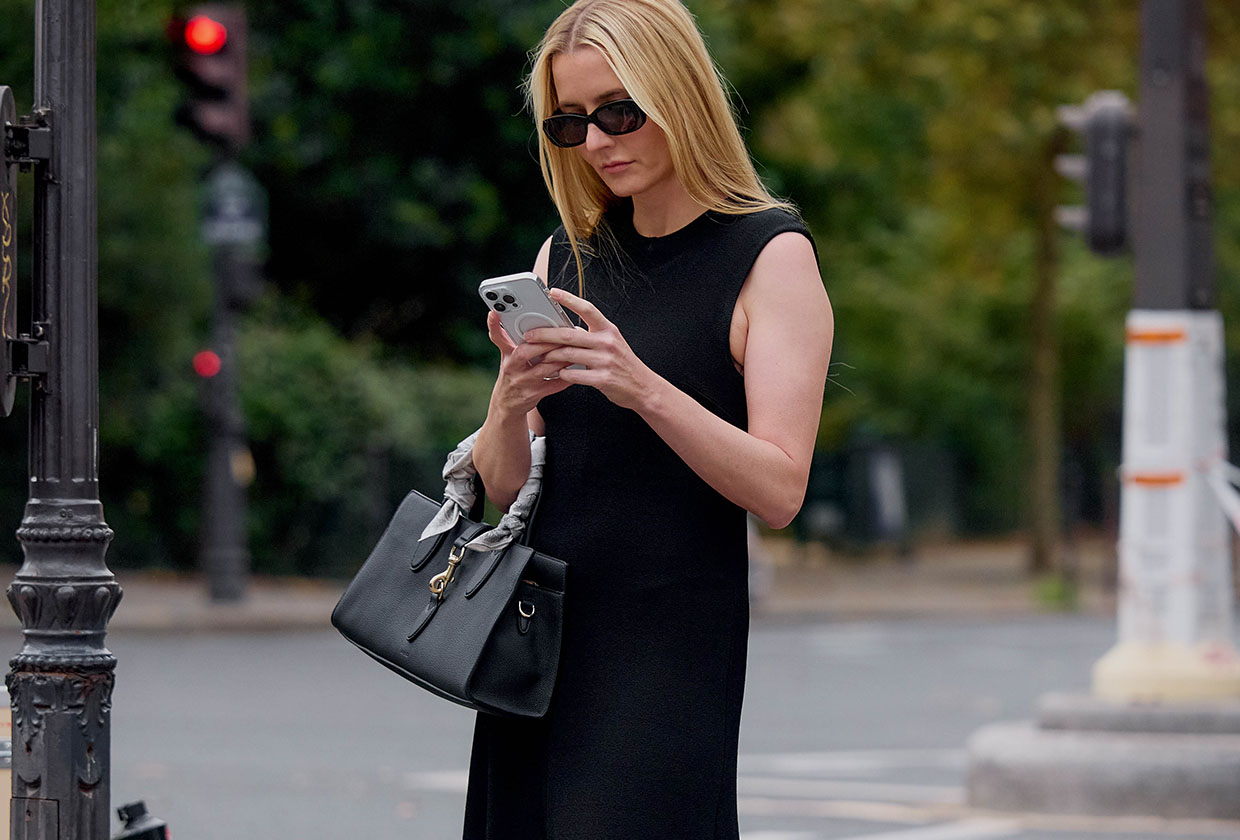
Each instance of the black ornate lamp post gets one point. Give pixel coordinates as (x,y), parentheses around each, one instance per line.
(61,681)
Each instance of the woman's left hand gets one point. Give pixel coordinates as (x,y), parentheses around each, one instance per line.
(612,366)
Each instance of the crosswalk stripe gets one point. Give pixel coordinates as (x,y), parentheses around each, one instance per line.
(445,781)
(865,811)
(847,789)
(978,829)
(851,762)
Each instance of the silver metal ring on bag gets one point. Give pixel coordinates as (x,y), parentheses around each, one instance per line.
(521,609)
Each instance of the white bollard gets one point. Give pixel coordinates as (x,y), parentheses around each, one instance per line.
(1175,600)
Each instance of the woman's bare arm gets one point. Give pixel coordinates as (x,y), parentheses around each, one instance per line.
(787,351)
(502,451)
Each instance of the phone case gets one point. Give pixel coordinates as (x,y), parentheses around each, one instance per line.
(523,304)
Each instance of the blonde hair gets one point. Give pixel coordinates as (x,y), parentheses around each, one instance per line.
(655,49)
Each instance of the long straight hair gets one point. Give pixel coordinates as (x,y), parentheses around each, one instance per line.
(655,49)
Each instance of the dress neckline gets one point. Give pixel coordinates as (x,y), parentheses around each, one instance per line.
(621,220)
(641,237)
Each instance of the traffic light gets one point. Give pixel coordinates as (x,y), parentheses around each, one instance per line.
(1106,122)
(207,363)
(209,48)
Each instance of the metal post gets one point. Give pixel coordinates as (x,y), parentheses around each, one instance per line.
(233,226)
(1175,611)
(225,551)
(1174,245)
(61,681)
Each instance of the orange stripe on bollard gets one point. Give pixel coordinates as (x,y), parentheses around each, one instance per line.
(1173,336)
(1170,479)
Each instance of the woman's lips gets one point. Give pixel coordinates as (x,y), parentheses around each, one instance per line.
(618,166)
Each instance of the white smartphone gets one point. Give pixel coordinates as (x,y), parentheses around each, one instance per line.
(522,303)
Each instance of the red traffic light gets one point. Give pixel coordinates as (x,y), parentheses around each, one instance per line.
(205,35)
(209,56)
(207,363)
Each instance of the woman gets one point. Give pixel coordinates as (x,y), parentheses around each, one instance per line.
(706,341)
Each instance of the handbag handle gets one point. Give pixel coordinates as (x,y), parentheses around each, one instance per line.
(476,513)
(462,497)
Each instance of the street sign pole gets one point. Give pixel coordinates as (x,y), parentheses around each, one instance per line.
(61,680)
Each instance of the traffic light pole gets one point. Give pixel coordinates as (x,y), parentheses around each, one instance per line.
(1174,245)
(1175,605)
(209,45)
(61,680)
(230,467)
(1158,736)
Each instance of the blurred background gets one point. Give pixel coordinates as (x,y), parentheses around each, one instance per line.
(916,136)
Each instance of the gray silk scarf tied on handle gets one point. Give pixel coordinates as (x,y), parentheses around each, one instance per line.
(460,494)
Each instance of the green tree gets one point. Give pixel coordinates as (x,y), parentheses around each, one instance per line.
(401,167)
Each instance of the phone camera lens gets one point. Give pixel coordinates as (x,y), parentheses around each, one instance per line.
(499,307)
(509,299)
(492,296)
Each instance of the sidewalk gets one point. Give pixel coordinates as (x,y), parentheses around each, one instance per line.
(950,580)
(944,580)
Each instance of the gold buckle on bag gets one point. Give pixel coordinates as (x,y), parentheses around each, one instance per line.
(440,581)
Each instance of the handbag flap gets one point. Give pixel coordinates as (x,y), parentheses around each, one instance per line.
(449,645)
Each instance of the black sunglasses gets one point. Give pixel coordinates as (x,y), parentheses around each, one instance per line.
(619,117)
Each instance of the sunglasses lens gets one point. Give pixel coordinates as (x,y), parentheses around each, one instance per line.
(620,117)
(566,130)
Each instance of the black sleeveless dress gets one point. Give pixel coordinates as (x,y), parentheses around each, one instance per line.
(640,742)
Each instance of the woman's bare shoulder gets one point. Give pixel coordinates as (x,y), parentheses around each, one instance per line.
(786,267)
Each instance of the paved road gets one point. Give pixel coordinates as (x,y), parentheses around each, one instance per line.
(850,731)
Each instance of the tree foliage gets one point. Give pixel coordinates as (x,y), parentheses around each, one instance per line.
(401,166)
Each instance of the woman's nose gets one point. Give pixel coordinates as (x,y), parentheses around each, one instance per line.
(596,138)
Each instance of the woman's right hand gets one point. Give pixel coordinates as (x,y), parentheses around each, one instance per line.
(524,378)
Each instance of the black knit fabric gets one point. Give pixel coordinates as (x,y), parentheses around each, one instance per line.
(641,739)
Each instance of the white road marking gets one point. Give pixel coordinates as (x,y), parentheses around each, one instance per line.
(445,781)
(978,829)
(457,781)
(851,762)
(842,789)
(1072,825)
(887,812)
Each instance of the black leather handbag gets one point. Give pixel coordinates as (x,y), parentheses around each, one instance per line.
(477,625)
